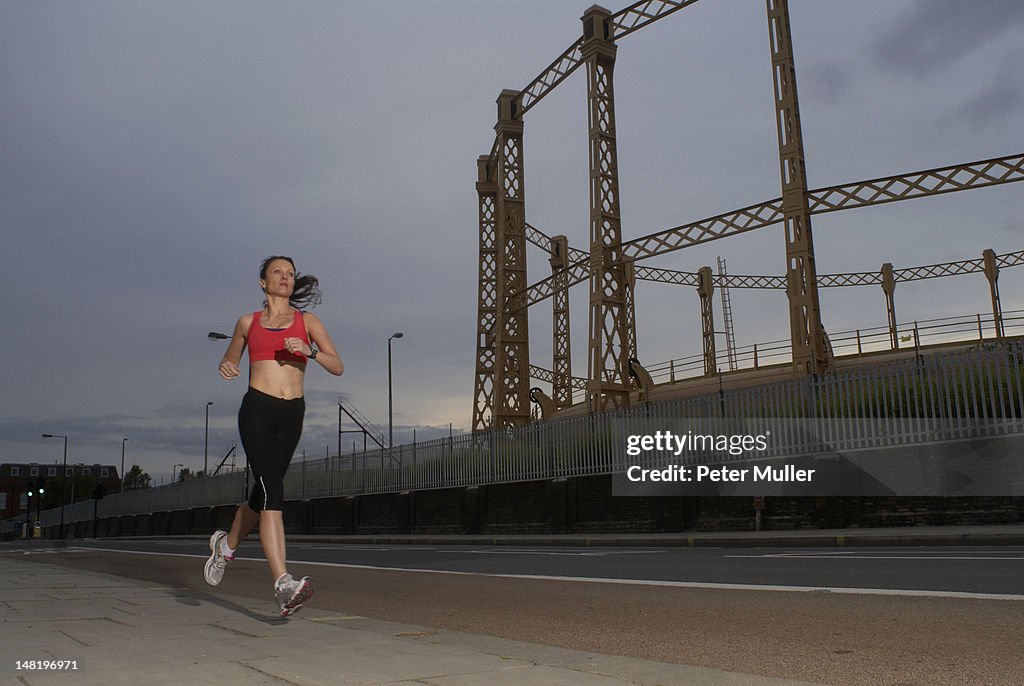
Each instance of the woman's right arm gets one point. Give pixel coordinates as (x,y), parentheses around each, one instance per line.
(233,356)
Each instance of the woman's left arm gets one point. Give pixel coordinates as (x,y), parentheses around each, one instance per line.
(328,356)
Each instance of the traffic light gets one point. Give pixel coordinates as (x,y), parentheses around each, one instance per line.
(99,491)
(41,485)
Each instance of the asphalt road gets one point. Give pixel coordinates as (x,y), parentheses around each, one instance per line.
(944,569)
(864,616)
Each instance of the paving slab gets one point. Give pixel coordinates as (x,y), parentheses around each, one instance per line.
(125,631)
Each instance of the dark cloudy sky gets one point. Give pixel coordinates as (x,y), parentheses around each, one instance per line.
(152,153)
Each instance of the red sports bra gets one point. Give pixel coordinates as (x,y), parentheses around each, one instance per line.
(268,344)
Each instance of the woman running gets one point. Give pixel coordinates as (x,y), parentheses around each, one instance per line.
(281,339)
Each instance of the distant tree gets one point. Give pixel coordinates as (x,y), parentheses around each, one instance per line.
(136,479)
(187,474)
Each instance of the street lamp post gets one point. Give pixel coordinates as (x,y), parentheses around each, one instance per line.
(123,441)
(206,440)
(63,481)
(28,510)
(213,336)
(39,501)
(391,414)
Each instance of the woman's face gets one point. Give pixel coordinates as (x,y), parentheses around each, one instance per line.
(280,279)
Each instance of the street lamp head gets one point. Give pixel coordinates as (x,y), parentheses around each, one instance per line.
(49,436)
(217,336)
(209,403)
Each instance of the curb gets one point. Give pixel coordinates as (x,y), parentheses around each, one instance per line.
(769,539)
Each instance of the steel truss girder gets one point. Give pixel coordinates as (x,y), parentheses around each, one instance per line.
(1010,259)
(556,72)
(545,242)
(623,23)
(850,279)
(935,271)
(640,14)
(744,281)
(999,171)
(541,374)
(769,282)
(539,238)
(667,276)
(991,172)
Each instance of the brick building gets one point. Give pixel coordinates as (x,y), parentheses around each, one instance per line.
(16,480)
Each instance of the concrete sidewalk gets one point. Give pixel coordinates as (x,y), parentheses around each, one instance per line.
(123,631)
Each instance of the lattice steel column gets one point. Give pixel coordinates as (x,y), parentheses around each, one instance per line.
(706,291)
(608,386)
(889,288)
(630,270)
(486,327)
(512,359)
(810,351)
(992,274)
(561,383)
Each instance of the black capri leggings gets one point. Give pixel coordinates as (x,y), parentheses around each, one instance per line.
(270,429)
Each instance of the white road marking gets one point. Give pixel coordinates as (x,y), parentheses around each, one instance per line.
(875,556)
(490,551)
(629,582)
(607,553)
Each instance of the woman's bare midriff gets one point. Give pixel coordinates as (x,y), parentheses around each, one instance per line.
(279,379)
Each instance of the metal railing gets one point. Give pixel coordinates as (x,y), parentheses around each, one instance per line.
(976,391)
(911,335)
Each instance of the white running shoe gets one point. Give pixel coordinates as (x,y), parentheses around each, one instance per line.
(214,570)
(291,594)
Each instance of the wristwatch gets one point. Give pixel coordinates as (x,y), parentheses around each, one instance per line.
(313,350)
